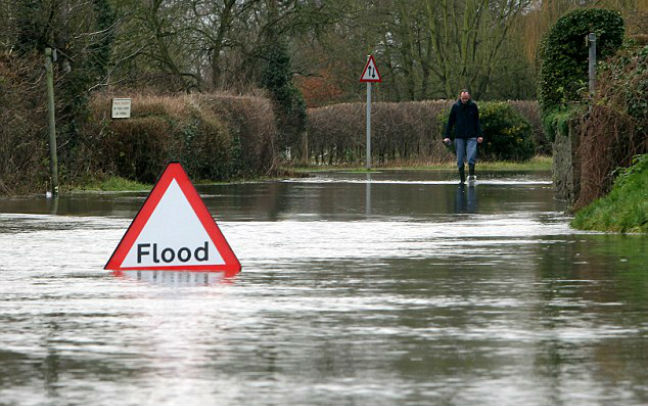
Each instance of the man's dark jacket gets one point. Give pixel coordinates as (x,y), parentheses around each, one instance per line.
(465,120)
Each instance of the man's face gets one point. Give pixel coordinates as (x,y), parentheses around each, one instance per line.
(465,96)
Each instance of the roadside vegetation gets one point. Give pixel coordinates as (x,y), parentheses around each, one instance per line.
(109,184)
(603,131)
(625,208)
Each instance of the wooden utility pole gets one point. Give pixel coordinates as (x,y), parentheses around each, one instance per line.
(51,121)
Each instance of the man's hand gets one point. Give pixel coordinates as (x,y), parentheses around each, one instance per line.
(480,140)
(446,141)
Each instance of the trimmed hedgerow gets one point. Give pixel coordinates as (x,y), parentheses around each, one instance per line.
(407,132)
(215,137)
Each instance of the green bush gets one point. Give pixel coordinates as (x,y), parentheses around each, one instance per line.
(251,124)
(623,84)
(564,53)
(529,110)
(507,134)
(290,109)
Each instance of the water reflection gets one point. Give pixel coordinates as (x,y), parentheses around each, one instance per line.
(174,278)
(53,205)
(466,199)
(368,196)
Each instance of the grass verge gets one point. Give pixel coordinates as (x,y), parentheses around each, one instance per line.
(111,184)
(625,208)
(537,163)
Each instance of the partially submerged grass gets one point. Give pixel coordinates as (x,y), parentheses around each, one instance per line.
(537,163)
(625,208)
(112,184)
(119,184)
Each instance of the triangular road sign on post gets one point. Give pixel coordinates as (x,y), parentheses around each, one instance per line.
(174,231)
(370,72)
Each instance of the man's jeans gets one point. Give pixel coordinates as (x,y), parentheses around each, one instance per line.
(463,147)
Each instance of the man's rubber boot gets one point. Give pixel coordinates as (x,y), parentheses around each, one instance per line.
(471,174)
(462,174)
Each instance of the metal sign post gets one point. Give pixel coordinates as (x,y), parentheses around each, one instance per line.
(369,75)
(591,39)
(368,165)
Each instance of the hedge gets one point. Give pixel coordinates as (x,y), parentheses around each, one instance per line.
(215,137)
(407,132)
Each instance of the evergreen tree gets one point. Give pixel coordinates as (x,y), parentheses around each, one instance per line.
(290,108)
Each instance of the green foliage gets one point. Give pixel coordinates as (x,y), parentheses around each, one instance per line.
(624,84)
(625,208)
(112,184)
(564,53)
(507,134)
(289,103)
(616,127)
(207,150)
(556,121)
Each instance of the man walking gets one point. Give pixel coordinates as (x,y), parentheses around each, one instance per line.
(464,117)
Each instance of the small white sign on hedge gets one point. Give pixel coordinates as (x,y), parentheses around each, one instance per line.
(121,108)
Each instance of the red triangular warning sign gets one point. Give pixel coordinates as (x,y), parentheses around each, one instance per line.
(174,231)
(370,72)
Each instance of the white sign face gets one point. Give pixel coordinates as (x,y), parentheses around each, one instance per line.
(173,236)
(121,108)
(370,73)
(174,231)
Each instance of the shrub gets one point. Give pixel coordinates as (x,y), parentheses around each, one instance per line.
(336,133)
(529,109)
(215,137)
(507,135)
(139,148)
(564,53)
(290,109)
(250,122)
(616,129)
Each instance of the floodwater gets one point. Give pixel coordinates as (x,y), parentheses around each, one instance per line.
(395,288)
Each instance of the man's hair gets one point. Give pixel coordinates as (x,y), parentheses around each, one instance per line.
(464,91)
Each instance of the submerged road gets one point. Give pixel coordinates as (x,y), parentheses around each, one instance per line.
(395,288)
